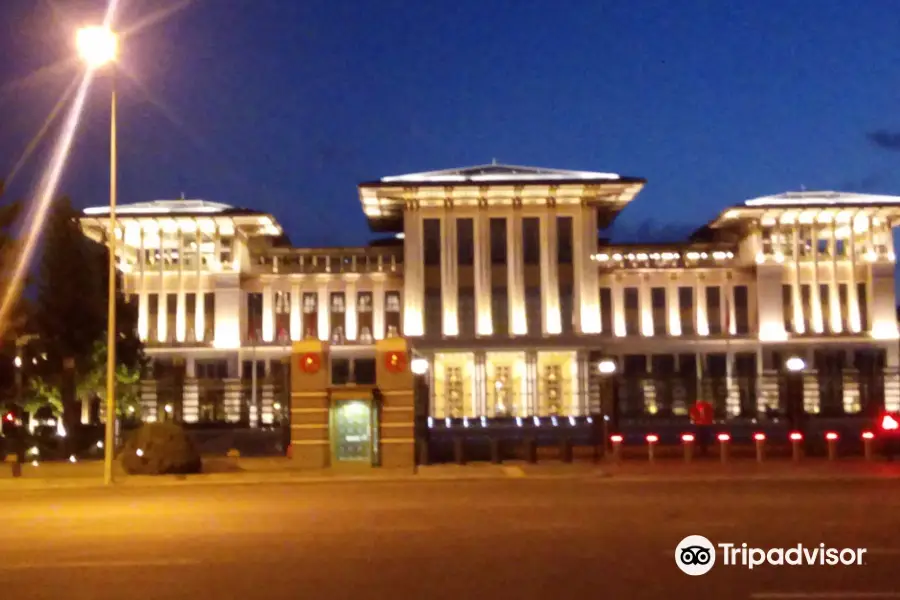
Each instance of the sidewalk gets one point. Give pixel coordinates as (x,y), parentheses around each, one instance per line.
(249,471)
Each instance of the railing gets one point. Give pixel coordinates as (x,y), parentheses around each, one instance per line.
(349,260)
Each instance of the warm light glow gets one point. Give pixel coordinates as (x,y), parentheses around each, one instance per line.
(868,435)
(759,437)
(885,330)
(616,439)
(831,436)
(687,437)
(97,46)
(723,437)
(889,423)
(795,364)
(652,438)
(418,366)
(607,366)
(772,332)
(796,436)
(17,361)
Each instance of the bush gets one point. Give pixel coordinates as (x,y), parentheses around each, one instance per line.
(160,449)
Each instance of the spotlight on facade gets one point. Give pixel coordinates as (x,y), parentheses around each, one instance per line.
(607,366)
(795,364)
(418,366)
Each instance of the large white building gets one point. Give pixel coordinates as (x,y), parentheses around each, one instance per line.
(497,275)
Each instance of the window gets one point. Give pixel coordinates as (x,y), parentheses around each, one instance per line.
(364,317)
(431,242)
(566,311)
(787,302)
(465,242)
(531,240)
(714,309)
(338,321)
(533,312)
(606,311)
(741,310)
(171,315)
(433,313)
(254,316)
(663,370)
(844,300)
(806,304)
(498,241)
(392,314)
(686,309)
(631,385)
(658,302)
(340,371)
(825,302)
(358,370)
(564,240)
(745,380)
(282,308)
(632,311)
(209,316)
(190,310)
(500,311)
(310,315)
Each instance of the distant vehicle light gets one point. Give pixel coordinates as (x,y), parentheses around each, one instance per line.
(889,423)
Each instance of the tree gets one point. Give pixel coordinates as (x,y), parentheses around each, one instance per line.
(71,312)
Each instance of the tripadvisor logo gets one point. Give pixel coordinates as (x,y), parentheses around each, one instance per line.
(696,555)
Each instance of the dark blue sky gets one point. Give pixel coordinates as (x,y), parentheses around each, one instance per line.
(285,105)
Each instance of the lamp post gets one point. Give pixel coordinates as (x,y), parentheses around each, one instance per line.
(608,402)
(795,366)
(98,47)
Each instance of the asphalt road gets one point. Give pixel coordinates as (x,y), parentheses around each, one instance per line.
(433,540)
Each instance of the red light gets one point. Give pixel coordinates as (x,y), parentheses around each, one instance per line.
(831,436)
(652,438)
(889,423)
(759,437)
(796,436)
(687,437)
(616,439)
(724,437)
(868,435)
(10,417)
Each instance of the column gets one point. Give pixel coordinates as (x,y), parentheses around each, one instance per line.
(480,384)
(733,395)
(818,323)
(586,288)
(482,275)
(852,296)
(834,297)
(799,325)
(378,306)
(296,307)
(731,315)
(181,301)
(351,321)
(190,403)
(268,314)
(200,302)
(617,293)
(143,315)
(646,307)
(673,306)
(550,315)
(324,308)
(162,307)
(702,324)
(267,402)
(449,275)
(515,271)
(413,275)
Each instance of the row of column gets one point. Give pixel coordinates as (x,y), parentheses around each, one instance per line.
(585,304)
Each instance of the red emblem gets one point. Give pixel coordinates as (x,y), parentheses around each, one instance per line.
(310,363)
(395,362)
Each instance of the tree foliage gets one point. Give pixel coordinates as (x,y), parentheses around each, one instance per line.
(71,313)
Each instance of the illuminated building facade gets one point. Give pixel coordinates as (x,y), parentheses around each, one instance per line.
(498,277)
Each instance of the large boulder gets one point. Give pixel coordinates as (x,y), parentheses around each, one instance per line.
(160,449)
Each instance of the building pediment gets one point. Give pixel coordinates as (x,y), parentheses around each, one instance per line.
(499,173)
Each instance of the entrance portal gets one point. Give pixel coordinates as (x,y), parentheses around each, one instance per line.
(352,430)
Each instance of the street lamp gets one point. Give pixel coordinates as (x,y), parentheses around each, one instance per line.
(607,366)
(418,366)
(98,47)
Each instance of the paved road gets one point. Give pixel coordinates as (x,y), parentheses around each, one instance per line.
(462,540)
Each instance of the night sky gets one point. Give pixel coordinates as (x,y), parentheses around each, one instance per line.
(285,105)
